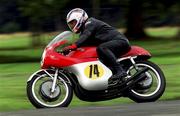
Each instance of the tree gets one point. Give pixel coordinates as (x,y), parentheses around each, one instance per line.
(43,12)
(135,27)
(9,16)
(139,10)
(96,8)
(177,10)
(39,13)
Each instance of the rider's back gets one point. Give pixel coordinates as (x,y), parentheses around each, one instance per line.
(97,32)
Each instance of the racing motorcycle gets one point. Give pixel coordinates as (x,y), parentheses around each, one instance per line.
(80,72)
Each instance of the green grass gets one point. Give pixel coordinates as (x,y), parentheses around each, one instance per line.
(12,85)
(26,52)
(13,79)
(13,76)
(14,40)
(165,32)
(21,40)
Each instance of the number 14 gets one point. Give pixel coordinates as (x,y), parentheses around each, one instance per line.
(93,70)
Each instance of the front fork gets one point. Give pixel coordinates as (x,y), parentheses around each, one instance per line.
(54,78)
(54,81)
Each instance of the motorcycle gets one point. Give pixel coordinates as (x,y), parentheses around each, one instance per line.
(81,72)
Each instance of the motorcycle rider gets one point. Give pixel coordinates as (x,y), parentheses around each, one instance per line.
(111,43)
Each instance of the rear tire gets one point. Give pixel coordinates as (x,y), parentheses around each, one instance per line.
(161,84)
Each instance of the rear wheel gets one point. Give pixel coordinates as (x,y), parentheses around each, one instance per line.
(151,87)
(40,95)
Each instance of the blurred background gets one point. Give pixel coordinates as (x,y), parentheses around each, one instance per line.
(26,27)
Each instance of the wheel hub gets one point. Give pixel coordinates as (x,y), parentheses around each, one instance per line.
(45,91)
(145,84)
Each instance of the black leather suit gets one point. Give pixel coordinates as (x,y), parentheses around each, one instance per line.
(111,43)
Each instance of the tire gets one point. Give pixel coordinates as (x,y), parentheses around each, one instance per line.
(38,101)
(142,97)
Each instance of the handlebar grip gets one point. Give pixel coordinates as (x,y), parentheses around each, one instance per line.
(65,52)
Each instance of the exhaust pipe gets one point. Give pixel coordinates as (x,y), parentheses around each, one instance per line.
(131,81)
(134,79)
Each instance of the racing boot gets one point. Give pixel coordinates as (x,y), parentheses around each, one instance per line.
(118,76)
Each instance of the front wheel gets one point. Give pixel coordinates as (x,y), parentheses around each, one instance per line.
(150,88)
(39,90)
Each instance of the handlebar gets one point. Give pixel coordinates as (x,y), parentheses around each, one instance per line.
(65,52)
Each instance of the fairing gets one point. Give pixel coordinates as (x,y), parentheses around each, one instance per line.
(53,58)
(91,77)
(83,62)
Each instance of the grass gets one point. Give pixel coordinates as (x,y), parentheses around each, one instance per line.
(14,40)
(13,79)
(13,76)
(20,40)
(165,32)
(12,87)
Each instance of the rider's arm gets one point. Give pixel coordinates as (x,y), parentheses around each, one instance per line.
(87,32)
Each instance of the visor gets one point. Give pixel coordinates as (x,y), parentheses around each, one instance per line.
(72,24)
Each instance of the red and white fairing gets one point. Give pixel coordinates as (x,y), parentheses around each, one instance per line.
(87,77)
(84,63)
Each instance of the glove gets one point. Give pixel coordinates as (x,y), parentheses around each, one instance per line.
(68,48)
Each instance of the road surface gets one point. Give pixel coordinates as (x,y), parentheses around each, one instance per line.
(162,108)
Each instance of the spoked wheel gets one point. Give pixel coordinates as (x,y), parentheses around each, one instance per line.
(40,94)
(151,87)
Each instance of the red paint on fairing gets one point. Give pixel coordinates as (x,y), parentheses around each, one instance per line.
(84,54)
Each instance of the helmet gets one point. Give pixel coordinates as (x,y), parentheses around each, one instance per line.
(76,18)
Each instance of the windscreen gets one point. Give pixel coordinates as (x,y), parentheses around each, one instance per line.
(66,36)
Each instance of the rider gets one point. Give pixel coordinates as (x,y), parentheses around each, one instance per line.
(111,43)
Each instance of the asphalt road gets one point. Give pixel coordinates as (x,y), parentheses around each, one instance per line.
(163,108)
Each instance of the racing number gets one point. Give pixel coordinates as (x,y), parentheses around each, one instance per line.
(93,70)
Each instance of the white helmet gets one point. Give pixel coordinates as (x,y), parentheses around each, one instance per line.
(76,18)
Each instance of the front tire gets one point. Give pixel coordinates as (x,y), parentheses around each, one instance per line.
(156,88)
(38,98)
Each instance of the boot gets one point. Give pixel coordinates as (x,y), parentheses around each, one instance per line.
(118,75)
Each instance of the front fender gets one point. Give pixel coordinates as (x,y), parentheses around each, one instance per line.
(39,72)
(34,74)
